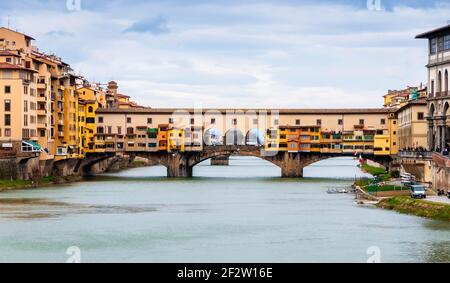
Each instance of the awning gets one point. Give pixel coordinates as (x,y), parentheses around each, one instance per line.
(33,144)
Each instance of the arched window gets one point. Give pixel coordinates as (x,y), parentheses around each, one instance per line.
(439,84)
(446,83)
(432,89)
(91,109)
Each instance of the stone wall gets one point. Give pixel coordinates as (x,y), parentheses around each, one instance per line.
(441,172)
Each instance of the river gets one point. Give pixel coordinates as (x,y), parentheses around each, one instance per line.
(241,213)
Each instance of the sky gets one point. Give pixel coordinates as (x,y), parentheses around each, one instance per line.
(229,53)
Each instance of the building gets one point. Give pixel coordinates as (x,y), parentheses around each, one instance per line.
(18,95)
(438,91)
(438,103)
(399,98)
(412,125)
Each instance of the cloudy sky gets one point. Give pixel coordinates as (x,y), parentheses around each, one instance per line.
(229,53)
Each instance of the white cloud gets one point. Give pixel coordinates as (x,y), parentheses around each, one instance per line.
(249,55)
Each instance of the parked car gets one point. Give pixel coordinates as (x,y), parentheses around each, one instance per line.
(418,191)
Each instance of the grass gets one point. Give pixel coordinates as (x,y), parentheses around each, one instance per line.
(14,184)
(385,188)
(19,184)
(377,172)
(416,207)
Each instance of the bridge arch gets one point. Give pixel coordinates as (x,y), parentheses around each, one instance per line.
(227,151)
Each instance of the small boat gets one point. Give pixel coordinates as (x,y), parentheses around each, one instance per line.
(337,191)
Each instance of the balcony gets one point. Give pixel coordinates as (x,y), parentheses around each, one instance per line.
(41,112)
(42,98)
(41,85)
(41,125)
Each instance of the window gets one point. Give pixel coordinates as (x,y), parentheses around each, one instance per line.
(119,130)
(128,120)
(447,42)
(213,121)
(432,89)
(361,122)
(298,122)
(8,60)
(383,121)
(340,122)
(7,89)
(7,132)
(420,116)
(100,119)
(440,43)
(90,109)
(7,105)
(90,120)
(149,121)
(42,133)
(171,120)
(25,90)
(100,130)
(192,121)
(234,122)
(7,120)
(25,120)
(25,106)
(319,122)
(276,122)
(433,46)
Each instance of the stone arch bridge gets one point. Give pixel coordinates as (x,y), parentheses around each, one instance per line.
(181,164)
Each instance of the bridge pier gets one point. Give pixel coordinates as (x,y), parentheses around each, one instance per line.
(291,165)
(178,166)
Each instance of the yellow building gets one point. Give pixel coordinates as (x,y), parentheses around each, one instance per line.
(89,97)
(272,140)
(176,140)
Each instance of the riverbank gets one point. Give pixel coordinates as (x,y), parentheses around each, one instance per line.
(416,207)
(8,185)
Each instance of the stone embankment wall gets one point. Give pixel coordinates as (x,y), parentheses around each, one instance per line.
(33,168)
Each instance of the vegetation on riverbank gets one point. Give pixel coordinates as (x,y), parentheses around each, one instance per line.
(416,207)
(380,173)
(24,184)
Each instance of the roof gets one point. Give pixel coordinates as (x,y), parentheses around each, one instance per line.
(243,111)
(421,102)
(122,95)
(27,36)
(432,33)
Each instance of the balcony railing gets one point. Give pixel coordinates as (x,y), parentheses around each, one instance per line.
(415,154)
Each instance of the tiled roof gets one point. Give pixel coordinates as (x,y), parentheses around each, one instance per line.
(224,111)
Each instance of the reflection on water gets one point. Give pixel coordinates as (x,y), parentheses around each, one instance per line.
(241,213)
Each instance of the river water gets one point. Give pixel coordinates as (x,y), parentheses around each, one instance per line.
(240,213)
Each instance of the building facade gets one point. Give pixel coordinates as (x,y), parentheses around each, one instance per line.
(438,87)
(413,126)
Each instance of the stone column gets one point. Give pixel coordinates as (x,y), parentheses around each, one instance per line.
(431,145)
